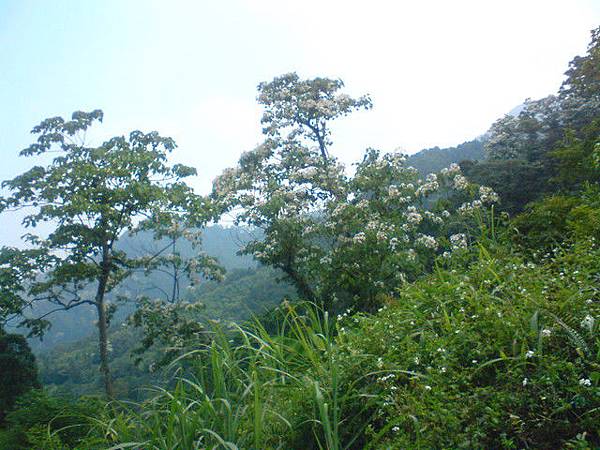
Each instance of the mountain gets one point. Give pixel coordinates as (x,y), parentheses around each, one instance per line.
(434,159)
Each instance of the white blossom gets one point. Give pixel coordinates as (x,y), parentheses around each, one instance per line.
(458,241)
(359,238)
(588,322)
(426,241)
(460,182)
(487,195)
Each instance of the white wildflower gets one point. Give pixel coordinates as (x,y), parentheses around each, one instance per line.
(458,241)
(460,182)
(359,238)
(487,195)
(427,241)
(588,322)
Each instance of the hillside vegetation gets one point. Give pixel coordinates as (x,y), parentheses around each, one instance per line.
(454,309)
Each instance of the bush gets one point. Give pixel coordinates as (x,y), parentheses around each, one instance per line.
(559,219)
(47,423)
(19,372)
(503,355)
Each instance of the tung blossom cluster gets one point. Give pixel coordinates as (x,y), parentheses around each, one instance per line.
(338,234)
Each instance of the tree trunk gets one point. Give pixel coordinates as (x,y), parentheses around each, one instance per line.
(103,323)
(322,147)
(301,285)
(103,344)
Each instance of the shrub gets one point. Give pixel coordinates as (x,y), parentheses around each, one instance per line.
(503,355)
(43,422)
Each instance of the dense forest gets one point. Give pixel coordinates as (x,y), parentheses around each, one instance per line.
(447,299)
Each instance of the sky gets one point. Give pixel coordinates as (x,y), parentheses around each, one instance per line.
(439,72)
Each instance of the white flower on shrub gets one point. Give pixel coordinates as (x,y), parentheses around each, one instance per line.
(460,183)
(458,241)
(487,195)
(588,322)
(424,240)
(450,170)
(359,238)
(414,218)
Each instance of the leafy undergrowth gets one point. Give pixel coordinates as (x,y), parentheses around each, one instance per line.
(503,354)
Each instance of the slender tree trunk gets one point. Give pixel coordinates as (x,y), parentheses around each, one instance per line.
(103,325)
(103,341)
(175,291)
(301,285)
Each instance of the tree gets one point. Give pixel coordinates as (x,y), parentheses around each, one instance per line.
(580,92)
(341,240)
(90,196)
(304,107)
(19,372)
(552,140)
(172,321)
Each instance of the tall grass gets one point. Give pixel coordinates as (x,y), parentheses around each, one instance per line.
(250,388)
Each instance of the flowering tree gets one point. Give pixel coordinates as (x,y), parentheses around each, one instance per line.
(304,108)
(344,239)
(541,125)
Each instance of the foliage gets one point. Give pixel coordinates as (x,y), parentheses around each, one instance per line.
(72,368)
(507,178)
(500,353)
(278,390)
(19,372)
(41,422)
(551,142)
(581,90)
(504,355)
(529,135)
(304,108)
(91,195)
(342,239)
(558,219)
(219,242)
(457,328)
(577,158)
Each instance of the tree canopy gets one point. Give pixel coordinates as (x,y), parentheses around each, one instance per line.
(90,196)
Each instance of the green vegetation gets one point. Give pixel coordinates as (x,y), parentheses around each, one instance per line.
(71,369)
(454,310)
(19,372)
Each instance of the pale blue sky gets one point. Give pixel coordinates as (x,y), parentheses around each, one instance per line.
(439,72)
